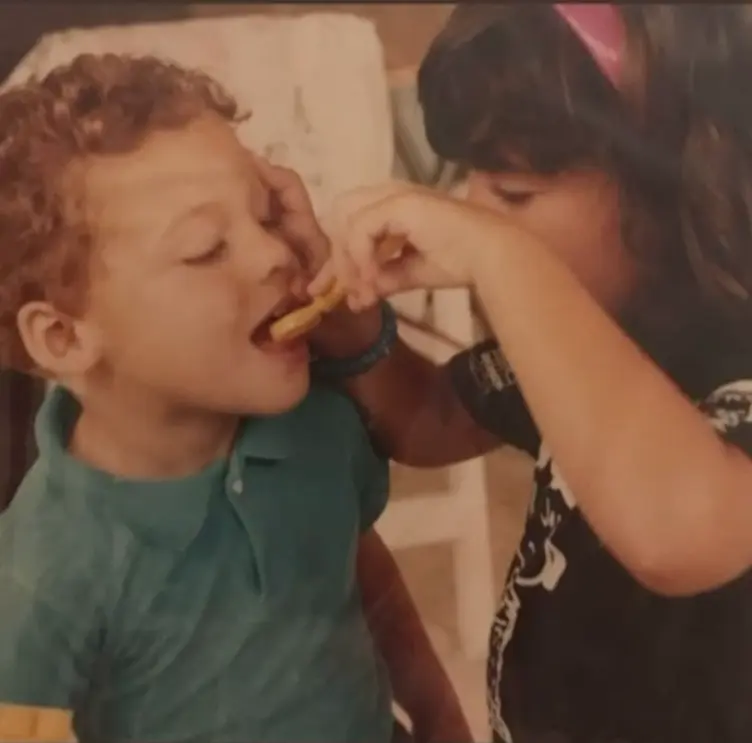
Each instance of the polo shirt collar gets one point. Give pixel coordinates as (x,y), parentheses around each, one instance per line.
(266,438)
(170,511)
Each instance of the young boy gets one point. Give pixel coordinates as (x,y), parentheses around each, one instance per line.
(192,557)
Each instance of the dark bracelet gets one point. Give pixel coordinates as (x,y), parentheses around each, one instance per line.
(328,367)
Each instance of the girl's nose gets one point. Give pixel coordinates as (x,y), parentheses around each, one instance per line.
(477,189)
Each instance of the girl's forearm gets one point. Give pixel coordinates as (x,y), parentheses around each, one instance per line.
(649,473)
(420,683)
(411,406)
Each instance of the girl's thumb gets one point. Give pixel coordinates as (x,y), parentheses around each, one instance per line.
(400,275)
(323,280)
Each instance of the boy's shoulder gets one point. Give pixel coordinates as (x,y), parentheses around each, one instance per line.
(53,547)
(332,441)
(56,588)
(324,398)
(329,414)
(327,435)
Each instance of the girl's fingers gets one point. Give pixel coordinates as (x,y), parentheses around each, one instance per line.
(340,269)
(285,183)
(391,279)
(276,177)
(400,276)
(299,288)
(361,294)
(344,264)
(360,291)
(357,228)
(323,280)
(367,232)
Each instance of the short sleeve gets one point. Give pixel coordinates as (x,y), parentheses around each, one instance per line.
(47,638)
(486,387)
(372,477)
(729,410)
(41,649)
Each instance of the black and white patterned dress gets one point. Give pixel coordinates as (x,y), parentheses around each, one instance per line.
(579,651)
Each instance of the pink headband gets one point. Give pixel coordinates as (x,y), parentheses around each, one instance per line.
(601,29)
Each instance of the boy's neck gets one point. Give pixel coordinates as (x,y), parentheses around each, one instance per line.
(138,439)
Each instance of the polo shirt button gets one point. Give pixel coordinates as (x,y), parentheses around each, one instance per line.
(237,486)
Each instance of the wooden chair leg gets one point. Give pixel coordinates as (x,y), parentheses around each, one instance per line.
(19,399)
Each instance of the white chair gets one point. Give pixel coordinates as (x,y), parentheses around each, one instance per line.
(457,514)
(318,91)
(315,84)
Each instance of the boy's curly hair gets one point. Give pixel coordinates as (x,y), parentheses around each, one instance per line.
(96,105)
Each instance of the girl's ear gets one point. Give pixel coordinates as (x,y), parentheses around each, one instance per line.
(59,345)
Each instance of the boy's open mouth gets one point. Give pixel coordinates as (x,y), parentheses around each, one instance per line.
(261,335)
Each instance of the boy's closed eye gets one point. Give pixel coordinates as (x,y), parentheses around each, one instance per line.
(217,251)
(199,236)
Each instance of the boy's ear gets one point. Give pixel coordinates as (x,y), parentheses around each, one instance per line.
(59,345)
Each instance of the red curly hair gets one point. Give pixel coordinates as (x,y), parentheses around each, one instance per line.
(96,105)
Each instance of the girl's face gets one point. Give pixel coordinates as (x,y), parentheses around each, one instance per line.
(577,216)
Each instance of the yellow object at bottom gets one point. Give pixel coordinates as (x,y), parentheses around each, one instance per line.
(34,724)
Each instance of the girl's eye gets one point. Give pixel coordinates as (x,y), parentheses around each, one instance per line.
(513,198)
(215,253)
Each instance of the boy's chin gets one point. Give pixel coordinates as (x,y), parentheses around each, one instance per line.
(279,398)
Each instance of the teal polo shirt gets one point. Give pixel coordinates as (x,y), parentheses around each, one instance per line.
(221,607)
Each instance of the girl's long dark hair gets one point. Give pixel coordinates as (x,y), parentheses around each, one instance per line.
(506,84)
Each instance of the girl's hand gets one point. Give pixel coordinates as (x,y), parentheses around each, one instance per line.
(445,240)
(292,215)
(341,333)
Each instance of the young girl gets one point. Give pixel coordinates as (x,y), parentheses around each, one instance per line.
(609,239)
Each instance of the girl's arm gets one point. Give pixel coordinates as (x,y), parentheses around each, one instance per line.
(420,683)
(662,490)
(667,495)
(411,404)
(412,407)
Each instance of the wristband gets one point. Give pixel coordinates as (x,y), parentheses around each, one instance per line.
(353,366)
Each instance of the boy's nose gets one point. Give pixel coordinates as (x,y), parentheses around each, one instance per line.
(273,258)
